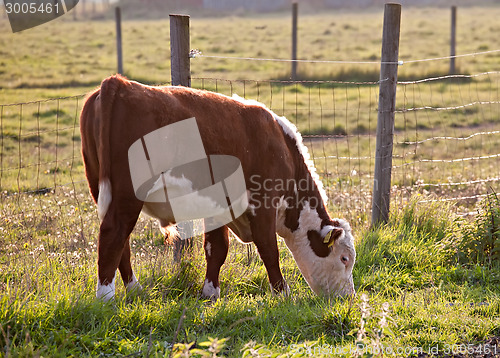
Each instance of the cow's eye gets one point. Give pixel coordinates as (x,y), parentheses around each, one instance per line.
(344,259)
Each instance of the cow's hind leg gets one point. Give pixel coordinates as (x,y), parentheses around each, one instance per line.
(117,224)
(125,267)
(216,245)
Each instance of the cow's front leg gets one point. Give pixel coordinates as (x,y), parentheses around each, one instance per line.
(125,267)
(216,245)
(263,226)
(113,246)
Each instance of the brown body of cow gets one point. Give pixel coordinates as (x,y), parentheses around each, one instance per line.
(285,195)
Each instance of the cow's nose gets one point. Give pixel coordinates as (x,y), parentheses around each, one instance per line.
(349,291)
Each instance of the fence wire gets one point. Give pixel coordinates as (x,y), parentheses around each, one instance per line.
(446,143)
(337,121)
(447,138)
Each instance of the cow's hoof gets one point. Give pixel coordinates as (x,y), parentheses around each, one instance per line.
(283,291)
(105,292)
(210,291)
(133,287)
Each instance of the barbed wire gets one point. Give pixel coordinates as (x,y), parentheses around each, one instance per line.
(239,58)
(447,160)
(286,81)
(43,131)
(198,54)
(448,138)
(470,182)
(448,77)
(336,136)
(293,81)
(344,158)
(475,103)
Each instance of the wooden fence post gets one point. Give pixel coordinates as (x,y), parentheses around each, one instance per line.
(118,18)
(179,50)
(386,109)
(453,40)
(181,76)
(294,40)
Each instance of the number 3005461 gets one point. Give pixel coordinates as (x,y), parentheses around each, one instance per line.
(32,8)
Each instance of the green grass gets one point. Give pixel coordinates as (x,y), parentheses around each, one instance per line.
(437,270)
(48,277)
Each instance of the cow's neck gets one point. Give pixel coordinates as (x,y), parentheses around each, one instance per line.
(305,209)
(303,224)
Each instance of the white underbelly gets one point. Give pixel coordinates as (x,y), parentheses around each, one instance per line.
(160,211)
(241,228)
(163,213)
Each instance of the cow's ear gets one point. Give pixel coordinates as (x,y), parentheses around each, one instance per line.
(332,235)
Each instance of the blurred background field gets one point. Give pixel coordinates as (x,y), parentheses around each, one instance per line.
(67,53)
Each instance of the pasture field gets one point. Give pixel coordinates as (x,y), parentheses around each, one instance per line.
(65,53)
(442,291)
(427,281)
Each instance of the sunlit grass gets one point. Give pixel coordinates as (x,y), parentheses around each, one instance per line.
(48,279)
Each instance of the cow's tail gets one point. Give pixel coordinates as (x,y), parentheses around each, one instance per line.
(109,89)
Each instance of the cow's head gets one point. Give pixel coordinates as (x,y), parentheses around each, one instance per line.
(330,272)
(324,251)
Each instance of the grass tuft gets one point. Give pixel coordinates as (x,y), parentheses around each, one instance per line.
(417,296)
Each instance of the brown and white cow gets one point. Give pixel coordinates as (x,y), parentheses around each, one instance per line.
(285,195)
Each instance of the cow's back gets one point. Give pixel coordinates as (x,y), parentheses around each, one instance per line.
(227,127)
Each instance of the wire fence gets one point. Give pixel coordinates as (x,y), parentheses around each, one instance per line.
(198,53)
(446,147)
(447,137)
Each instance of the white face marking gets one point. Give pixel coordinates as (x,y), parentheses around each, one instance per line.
(133,285)
(210,291)
(208,249)
(325,275)
(104,198)
(105,292)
